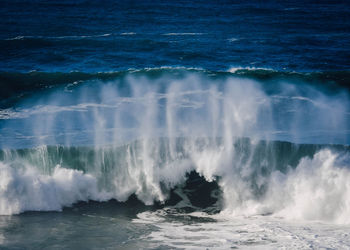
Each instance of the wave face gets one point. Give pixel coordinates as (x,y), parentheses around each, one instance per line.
(186,138)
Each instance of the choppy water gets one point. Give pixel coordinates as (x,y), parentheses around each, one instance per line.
(108,36)
(174,125)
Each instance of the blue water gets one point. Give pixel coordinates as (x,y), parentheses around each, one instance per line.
(93,36)
(174,124)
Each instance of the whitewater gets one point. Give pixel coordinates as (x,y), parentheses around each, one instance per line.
(176,154)
(174,124)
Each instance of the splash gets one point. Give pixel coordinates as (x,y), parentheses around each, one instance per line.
(145,134)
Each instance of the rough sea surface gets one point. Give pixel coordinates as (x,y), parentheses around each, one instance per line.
(174,124)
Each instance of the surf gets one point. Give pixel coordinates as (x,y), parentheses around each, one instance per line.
(153,133)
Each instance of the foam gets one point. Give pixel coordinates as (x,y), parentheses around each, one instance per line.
(256,232)
(28,190)
(233,39)
(318,189)
(183,34)
(237,69)
(128,33)
(59,37)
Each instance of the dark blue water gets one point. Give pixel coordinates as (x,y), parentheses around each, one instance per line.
(93,36)
(121,121)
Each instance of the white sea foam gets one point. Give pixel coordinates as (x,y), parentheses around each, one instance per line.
(128,33)
(26,189)
(317,189)
(79,37)
(233,39)
(235,69)
(198,231)
(59,37)
(16,38)
(183,34)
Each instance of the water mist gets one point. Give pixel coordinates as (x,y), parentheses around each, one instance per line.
(144,135)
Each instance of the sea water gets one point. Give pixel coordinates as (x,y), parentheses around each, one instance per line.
(174,125)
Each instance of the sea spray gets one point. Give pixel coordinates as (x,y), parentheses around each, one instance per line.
(145,135)
(159,104)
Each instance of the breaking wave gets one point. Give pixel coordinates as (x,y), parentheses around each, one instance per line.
(251,142)
(253,178)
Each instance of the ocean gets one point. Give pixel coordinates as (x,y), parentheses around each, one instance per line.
(174,124)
